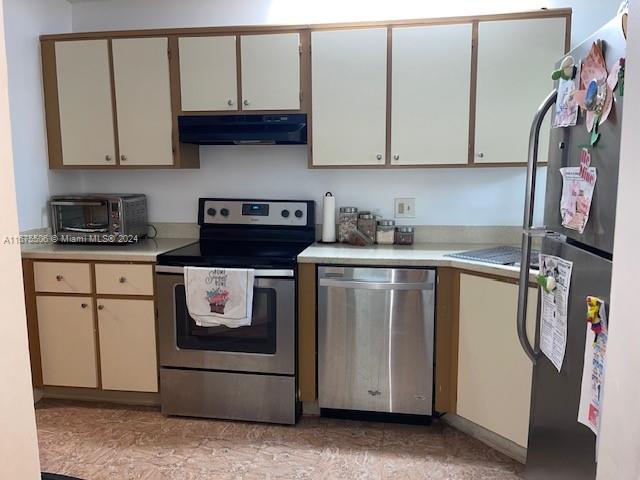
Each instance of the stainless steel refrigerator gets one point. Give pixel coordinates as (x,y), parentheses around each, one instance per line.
(559,447)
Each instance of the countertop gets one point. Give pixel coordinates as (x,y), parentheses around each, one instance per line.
(143,251)
(417,255)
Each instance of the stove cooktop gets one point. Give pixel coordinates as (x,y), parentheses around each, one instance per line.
(211,253)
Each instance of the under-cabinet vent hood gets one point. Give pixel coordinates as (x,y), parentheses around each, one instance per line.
(281,129)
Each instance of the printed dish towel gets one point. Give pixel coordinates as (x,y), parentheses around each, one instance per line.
(219,296)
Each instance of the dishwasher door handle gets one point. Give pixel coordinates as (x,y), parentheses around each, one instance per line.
(365,285)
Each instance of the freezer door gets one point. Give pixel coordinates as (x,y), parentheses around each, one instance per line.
(564,151)
(560,447)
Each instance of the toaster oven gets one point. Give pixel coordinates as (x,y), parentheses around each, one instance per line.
(97,218)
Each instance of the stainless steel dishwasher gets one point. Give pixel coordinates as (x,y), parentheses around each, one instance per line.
(376,339)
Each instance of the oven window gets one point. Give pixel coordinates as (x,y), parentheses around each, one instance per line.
(259,337)
(83,218)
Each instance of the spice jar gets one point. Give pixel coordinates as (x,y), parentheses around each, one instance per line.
(367,225)
(385,233)
(347,222)
(404,235)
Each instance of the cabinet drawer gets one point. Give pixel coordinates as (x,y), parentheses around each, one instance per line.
(62,277)
(121,279)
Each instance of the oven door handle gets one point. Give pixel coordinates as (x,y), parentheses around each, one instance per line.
(75,203)
(258,273)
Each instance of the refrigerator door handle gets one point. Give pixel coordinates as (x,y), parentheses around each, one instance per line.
(528,230)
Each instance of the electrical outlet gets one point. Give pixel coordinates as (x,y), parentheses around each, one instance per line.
(404,207)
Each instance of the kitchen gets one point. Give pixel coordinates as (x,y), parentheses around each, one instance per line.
(103,320)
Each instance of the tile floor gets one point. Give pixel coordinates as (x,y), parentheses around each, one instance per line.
(96,441)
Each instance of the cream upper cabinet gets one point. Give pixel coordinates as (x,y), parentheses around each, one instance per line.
(494,373)
(270,71)
(208,73)
(515,60)
(85,102)
(431,77)
(67,341)
(143,101)
(127,345)
(349,98)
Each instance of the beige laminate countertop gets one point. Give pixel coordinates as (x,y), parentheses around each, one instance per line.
(143,251)
(417,255)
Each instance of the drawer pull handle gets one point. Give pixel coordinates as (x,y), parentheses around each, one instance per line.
(84,305)
(59,278)
(100,307)
(122,279)
(374,393)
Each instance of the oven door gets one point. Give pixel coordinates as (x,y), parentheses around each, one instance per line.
(265,346)
(80,217)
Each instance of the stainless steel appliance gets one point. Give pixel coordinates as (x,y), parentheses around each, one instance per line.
(99,218)
(375,339)
(245,373)
(559,447)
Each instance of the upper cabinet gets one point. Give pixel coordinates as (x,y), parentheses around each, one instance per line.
(270,71)
(85,103)
(208,73)
(269,66)
(431,78)
(349,96)
(143,101)
(515,60)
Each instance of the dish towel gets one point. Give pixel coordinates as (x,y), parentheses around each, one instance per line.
(219,296)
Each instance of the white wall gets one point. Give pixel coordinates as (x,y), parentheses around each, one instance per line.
(18,443)
(443,197)
(25,20)
(620,434)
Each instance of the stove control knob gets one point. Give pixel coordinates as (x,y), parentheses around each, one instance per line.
(224,212)
(285,213)
(211,212)
(299,214)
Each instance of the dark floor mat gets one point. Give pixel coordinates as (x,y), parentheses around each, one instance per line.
(55,476)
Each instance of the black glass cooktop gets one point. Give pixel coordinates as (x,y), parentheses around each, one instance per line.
(209,253)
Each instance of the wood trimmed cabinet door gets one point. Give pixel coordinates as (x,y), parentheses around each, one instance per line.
(127,334)
(270,66)
(143,101)
(515,59)
(430,94)
(66,329)
(349,100)
(494,373)
(208,73)
(85,102)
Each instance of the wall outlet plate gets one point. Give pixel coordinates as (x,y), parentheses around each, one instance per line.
(404,207)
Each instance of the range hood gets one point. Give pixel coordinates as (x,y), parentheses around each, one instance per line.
(283,129)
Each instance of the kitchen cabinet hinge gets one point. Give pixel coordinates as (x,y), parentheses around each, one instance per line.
(300,96)
(300,49)
(169,53)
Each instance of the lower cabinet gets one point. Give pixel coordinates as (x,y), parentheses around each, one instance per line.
(67,341)
(127,345)
(494,374)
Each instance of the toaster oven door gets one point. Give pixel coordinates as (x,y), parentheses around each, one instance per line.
(79,218)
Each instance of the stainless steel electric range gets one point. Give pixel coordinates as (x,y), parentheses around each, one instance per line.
(245,373)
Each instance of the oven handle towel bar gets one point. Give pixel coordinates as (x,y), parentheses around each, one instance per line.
(259,273)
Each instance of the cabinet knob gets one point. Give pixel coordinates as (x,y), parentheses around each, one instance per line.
(84,305)
(122,279)
(379,156)
(480,155)
(373,393)
(396,157)
(123,158)
(246,102)
(59,278)
(230,102)
(100,307)
(107,158)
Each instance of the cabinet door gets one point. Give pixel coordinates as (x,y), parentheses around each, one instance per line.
(85,103)
(349,97)
(208,79)
(430,95)
(67,341)
(143,101)
(494,373)
(127,345)
(515,60)
(270,71)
